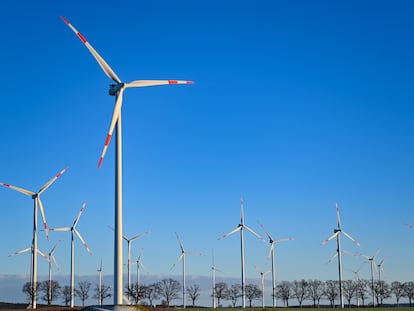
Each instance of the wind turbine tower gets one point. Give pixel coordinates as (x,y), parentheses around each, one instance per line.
(337,234)
(117,90)
(241,228)
(372,263)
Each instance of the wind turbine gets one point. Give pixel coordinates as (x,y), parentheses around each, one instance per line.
(213,276)
(262,282)
(129,242)
(37,203)
(337,234)
(272,255)
(182,257)
(51,259)
(357,283)
(100,271)
(74,231)
(139,264)
(372,262)
(241,228)
(117,90)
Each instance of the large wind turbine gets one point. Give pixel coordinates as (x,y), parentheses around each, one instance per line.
(241,228)
(74,231)
(37,203)
(272,255)
(117,90)
(337,235)
(373,264)
(182,258)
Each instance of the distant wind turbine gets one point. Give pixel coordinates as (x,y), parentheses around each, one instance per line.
(117,90)
(182,258)
(51,259)
(100,271)
(337,234)
(241,228)
(37,203)
(373,264)
(140,265)
(74,232)
(213,276)
(272,255)
(129,242)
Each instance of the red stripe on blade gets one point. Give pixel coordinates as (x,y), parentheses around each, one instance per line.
(108,139)
(172,81)
(82,37)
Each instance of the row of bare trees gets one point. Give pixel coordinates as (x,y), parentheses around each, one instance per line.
(51,291)
(355,292)
(358,292)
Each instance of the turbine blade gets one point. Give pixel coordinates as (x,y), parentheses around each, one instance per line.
(179,242)
(54,247)
(79,214)
(139,236)
(351,238)
(178,260)
(230,233)
(272,247)
(338,218)
(50,182)
(21,190)
(377,252)
(21,251)
(241,210)
(284,240)
(55,262)
(115,115)
(82,240)
(251,231)
(330,238)
(332,258)
(105,67)
(266,232)
(42,211)
(41,254)
(60,229)
(144,83)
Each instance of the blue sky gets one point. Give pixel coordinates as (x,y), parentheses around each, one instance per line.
(297,105)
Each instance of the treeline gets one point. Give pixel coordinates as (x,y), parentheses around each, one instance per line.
(355,292)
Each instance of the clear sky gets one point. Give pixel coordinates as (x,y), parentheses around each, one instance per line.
(297,105)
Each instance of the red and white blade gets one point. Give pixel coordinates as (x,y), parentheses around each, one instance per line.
(115,116)
(21,190)
(50,182)
(144,83)
(105,67)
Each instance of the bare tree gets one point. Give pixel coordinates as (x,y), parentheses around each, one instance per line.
(168,289)
(66,295)
(398,290)
(151,293)
(252,292)
(362,290)
(233,293)
(300,290)
(332,291)
(83,291)
(349,288)
(102,293)
(220,291)
(315,291)
(382,291)
(29,290)
(409,291)
(284,292)
(193,293)
(51,290)
(136,292)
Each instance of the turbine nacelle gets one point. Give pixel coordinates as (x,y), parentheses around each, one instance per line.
(115,88)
